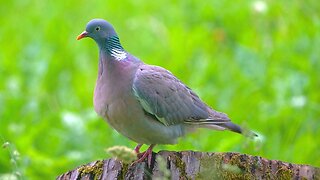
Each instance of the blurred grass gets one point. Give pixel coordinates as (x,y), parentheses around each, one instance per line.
(258,61)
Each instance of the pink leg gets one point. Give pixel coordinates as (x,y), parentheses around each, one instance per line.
(147,154)
(137,148)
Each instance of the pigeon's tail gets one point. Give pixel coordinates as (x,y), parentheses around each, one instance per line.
(236,128)
(221,121)
(224,125)
(232,127)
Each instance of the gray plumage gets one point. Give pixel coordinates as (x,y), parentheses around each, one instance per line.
(145,103)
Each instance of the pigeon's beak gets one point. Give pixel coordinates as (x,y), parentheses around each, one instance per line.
(82,35)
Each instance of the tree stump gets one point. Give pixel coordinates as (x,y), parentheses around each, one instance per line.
(194,165)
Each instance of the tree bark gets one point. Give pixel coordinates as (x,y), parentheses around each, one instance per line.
(194,165)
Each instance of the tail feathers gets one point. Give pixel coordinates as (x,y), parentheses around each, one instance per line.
(222,124)
(236,128)
(232,127)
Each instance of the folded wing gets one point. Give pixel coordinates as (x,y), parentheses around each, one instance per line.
(170,101)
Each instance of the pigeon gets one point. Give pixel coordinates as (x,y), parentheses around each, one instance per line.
(145,103)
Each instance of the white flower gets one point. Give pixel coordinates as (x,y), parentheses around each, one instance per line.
(260,6)
(298,101)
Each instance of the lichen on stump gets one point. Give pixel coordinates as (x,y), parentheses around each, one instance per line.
(195,165)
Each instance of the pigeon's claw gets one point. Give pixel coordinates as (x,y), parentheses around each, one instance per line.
(144,155)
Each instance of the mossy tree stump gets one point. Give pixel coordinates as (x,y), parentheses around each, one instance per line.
(194,165)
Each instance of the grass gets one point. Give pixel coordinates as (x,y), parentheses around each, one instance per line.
(258,61)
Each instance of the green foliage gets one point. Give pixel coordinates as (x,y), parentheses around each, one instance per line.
(258,61)
(123,154)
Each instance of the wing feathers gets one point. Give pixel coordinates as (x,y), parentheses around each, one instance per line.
(169,100)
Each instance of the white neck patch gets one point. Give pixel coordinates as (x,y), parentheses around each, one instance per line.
(118,54)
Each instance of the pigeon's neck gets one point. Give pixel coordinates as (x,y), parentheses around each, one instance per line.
(114,48)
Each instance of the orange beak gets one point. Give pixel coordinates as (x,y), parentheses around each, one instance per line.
(82,35)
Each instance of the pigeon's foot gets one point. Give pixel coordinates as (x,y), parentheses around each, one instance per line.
(144,155)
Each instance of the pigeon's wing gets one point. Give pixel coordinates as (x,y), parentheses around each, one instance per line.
(161,94)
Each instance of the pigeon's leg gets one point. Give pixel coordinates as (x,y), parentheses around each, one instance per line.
(137,148)
(147,154)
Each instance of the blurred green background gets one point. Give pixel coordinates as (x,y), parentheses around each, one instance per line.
(258,61)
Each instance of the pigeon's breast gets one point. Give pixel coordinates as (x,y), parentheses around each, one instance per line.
(100,100)
(127,117)
(124,113)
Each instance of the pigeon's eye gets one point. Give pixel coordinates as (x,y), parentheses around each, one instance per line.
(98,28)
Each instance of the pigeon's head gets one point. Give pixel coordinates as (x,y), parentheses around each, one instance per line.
(99,30)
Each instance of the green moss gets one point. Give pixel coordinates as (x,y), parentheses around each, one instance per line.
(214,167)
(181,166)
(209,167)
(237,166)
(95,170)
(124,170)
(284,173)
